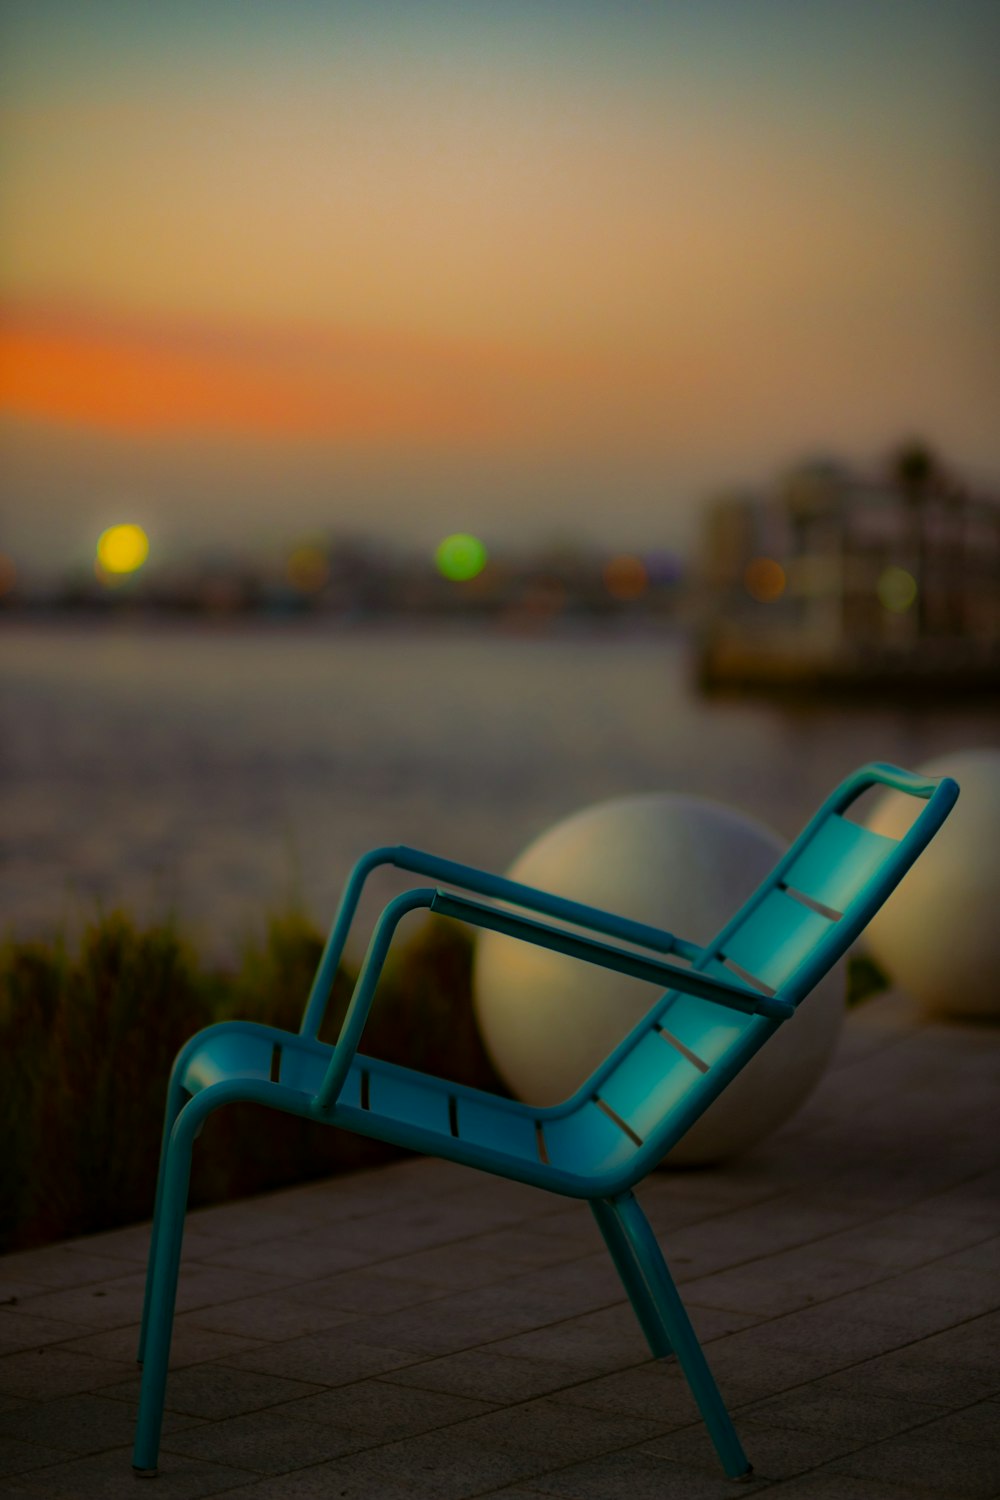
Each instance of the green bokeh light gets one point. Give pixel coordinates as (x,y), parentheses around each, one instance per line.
(460,557)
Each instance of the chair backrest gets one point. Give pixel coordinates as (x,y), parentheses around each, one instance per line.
(796,925)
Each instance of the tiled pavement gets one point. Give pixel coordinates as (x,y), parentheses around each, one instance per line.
(422,1330)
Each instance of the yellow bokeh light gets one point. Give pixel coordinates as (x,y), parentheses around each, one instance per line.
(122,549)
(765,579)
(308,569)
(897,589)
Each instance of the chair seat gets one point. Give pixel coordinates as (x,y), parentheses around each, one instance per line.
(566,1147)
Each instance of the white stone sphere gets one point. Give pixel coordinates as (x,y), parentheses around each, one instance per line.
(938,935)
(673,861)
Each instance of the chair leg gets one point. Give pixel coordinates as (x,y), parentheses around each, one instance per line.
(660,1287)
(629,1269)
(175,1103)
(161,1287)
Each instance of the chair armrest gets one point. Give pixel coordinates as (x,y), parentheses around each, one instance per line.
(346,1044)
(499,888)
(482,883)
(736,996)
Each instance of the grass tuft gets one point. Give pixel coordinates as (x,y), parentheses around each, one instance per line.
(87,1039)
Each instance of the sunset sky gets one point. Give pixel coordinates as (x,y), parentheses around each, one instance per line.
(531,268)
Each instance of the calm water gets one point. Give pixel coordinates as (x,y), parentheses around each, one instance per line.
(217,773)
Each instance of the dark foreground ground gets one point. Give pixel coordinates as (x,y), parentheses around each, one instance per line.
(422,1330)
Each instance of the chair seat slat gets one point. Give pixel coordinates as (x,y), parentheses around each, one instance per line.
(775,937)
(510,1131)
(415,1101)
(705,1029)
(651,1080)
(587,1141)
(838,862)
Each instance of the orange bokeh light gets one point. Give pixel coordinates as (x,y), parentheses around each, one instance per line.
(625,577)
(765,579)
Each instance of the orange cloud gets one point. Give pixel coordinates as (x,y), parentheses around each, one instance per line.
(146,376)
(151,379)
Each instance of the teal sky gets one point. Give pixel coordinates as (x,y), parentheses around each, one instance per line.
(518,268)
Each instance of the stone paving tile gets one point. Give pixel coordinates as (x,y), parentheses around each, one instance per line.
(385,1412)
(216,1392)
(109,1476)
(435,1465)
(656,1389)
(268,1442)
(784,1283)
(103,1304)
(48,1372)
(488,1375)
(746,1374)
(515,1492)
(960,1471)
(633,1475)
(399,1230)
(302,1258)
(526,1245)
(824,1335)
(12,1290)
(502,1310)
(593,1343)
(266,1319)
(712,1323)
(748,1234)
(822,1485)
(190,1345)
(948,1280)
(911,1238)
(17,1457)
(117,1303)
(983,1255)
(973,1424)
(249,1220)
(453,1267)
(19,1330)
(565,1433)
(775,1452)
(917,1373)
(976,1200)
(362,1291)
(917,1316)
(78,1424)
(60,1266)
(324,1358)
(822,1409)
(130,1243)
(348,1479)
(572,1222)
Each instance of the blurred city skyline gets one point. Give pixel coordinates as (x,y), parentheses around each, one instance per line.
(527,271)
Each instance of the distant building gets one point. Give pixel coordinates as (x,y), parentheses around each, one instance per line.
(836,579)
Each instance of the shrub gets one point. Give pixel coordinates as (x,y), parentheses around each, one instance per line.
(87,1040)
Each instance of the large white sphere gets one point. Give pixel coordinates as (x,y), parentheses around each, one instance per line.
(938,935)
(672,861)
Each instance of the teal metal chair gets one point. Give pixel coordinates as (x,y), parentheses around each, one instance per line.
(721,1003)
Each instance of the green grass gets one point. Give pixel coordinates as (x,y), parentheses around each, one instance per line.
(87,1037)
